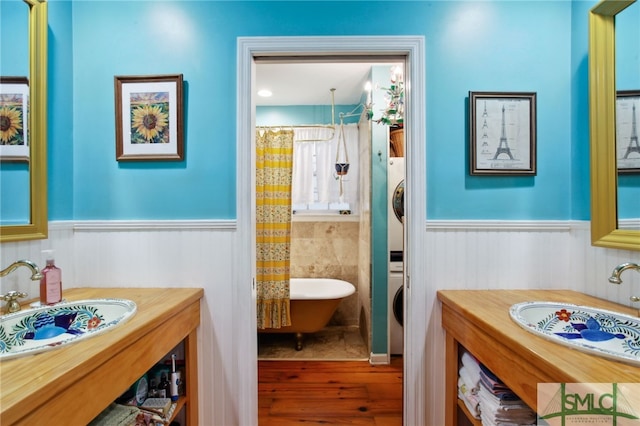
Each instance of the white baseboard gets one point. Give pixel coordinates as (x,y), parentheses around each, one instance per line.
(379,359)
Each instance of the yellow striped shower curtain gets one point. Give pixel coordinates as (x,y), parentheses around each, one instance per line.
(274,154)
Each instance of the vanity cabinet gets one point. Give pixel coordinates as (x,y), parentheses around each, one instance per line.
(479,321)
(71,385)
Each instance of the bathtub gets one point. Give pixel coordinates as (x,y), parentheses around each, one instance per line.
(313,302)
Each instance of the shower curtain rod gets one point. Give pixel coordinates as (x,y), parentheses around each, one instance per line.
(331,126)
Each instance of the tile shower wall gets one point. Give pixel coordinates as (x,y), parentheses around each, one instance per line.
(328,250)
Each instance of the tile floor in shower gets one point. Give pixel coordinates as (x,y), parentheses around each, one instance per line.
(334,343)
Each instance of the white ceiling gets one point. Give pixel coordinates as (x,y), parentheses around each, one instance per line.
(310,83)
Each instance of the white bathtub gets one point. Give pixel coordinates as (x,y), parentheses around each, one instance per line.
(319,289)
(313,302)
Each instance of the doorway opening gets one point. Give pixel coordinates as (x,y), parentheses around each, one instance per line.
(334,108)
(411,49)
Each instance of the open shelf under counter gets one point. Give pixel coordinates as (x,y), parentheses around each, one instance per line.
(471,420)
(46,388)
(478,321)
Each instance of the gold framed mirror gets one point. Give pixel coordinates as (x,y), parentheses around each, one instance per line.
(36,226)
(602,125)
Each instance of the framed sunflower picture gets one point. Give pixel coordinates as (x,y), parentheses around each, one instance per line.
(14,119)
(149,121)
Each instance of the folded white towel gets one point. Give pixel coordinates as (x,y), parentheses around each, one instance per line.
(472,382)
(471,364)
(471,400)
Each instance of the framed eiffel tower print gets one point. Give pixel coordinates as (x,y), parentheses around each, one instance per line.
(502,133)
(627,147)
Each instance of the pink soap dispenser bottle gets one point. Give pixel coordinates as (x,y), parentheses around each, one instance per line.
(51,282)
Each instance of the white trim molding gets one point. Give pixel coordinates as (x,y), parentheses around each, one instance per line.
(499,225)
(153,225)
(378,359)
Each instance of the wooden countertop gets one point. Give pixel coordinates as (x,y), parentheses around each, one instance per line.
(479,320)
(82,378)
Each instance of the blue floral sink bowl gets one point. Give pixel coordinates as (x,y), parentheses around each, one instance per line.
(605,333)
(44,328)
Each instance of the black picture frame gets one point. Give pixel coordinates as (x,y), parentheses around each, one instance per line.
(502,133)
(627,146)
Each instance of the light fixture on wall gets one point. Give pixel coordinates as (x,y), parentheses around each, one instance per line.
(361,108)
(369,105)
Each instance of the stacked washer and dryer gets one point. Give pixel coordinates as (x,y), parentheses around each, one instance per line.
(395,218)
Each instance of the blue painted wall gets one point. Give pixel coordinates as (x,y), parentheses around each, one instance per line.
(14,193)
(379,220)
(14,61)
(470,46)
(579,124)
(498,46)
(628,48)
(14,38)
(302,114)
(61,123)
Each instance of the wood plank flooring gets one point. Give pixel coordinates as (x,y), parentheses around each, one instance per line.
(329,392)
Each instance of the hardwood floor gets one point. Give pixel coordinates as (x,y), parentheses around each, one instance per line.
(329,392)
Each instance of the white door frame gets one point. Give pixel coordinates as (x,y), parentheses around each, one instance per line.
(412,49)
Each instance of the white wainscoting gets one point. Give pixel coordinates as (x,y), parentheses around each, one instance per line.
(156,254)
(60,239)
(501,255)
(458,255)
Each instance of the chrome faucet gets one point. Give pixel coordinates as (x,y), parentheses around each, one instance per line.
(36,275)
(12,297)
(12,300)
(617,271)
(615,274)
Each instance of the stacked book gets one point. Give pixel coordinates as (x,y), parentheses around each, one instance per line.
(123,415)
(157,405)
(499,405)
(161,409)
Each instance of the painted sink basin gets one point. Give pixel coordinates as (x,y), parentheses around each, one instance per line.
(41,329)
(605,333)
